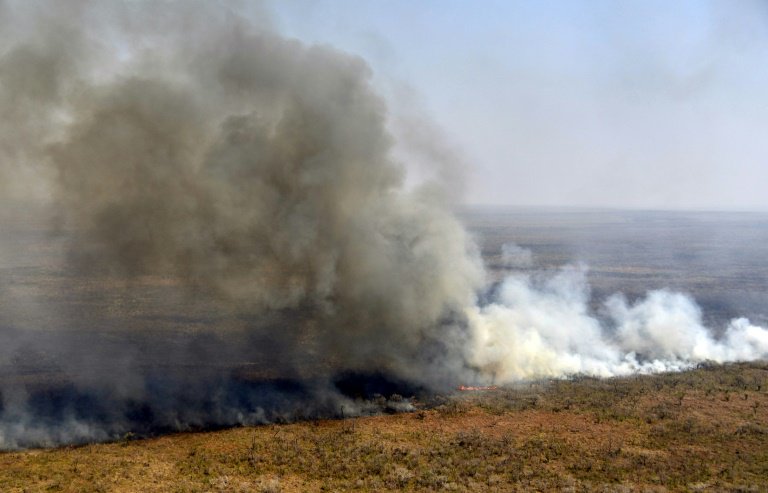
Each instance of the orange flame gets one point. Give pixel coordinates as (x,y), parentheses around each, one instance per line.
(471,387)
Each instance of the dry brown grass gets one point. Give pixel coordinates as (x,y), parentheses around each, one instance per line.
(704,430)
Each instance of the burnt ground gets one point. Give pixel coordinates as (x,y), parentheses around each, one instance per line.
(717,257)
(700,430)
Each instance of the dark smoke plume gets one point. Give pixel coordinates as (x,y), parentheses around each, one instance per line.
(203,225)
(253,173)
(242,164)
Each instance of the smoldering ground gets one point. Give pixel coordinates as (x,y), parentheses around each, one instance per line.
(224,238)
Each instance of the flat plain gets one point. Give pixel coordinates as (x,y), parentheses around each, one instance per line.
(701,430)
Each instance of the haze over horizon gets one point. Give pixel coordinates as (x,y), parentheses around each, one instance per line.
(639,105)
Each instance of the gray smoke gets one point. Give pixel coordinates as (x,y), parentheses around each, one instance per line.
(240,163)
(227,239)
(178,144)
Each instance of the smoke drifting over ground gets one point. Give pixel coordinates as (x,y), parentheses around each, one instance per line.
(544,327)
(206,167)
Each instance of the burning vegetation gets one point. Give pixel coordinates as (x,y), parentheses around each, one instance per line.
(221,236)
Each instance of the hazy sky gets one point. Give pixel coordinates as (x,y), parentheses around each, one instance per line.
(652,104)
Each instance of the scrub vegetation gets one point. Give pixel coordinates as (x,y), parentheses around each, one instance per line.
(701,430)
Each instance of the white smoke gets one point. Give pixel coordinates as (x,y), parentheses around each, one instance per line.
(258,173)
(546,329)
(516,257)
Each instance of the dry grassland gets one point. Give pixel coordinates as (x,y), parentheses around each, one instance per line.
(703,430)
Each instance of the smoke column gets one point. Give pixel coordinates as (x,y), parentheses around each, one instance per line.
(196,160)
(246,166)
(182,146)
